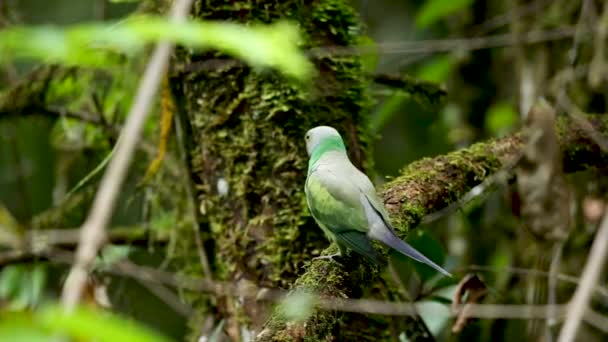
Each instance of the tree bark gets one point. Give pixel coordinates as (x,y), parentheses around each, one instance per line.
(246,147)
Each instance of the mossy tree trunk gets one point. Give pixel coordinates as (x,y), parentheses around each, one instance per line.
(246,148)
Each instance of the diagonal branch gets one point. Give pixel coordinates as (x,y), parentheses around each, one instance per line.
(424,187)
(591,274)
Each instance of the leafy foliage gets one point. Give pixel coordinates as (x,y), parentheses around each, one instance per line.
(298,306)
(84,324)
(501,118)
(21,286)
(97,44)
(434,10)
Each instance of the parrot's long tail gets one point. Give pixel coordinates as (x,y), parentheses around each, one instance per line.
(380,229)
(396,243)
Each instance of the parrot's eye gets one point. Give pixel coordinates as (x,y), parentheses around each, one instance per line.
(307,137)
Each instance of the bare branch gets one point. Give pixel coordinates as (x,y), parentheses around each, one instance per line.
(145,274)
(591,274)
(531,272)
(93,230)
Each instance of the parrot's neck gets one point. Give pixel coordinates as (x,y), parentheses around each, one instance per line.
(327,145)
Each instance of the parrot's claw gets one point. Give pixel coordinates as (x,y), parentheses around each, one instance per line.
(331,257)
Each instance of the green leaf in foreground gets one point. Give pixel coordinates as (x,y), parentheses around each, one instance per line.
(501,118)
(436,70)
(97,44)
(298,305)
(434,10)
(94,325)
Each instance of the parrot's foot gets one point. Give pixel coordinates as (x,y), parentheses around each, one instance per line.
(331,257)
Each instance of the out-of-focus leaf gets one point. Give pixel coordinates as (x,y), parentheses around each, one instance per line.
(369,60)
(386,110)
(298,305)
(37,280)
(112,254)
(501,260)
(216,335)
(10,231)
(22,285)
(501,118)
(433,10)
(440,299)
(273,45)
(436,70)
(18,327)
(95,325)
(164,221)
(435,315)
(9,280)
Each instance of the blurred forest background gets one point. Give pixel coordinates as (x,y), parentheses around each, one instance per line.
(210,225)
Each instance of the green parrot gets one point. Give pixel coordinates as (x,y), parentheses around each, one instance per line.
(344,203)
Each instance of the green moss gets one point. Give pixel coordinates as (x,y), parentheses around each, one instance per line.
(431,184)
(247,129)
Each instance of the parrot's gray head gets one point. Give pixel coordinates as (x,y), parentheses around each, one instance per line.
(317,135)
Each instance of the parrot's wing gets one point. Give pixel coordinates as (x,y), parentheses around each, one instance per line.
(334,203)
(382,230)
(380,227)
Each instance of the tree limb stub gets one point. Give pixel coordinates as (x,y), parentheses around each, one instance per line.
(426,186)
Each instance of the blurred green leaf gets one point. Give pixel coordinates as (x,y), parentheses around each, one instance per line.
(298,305)
(435,315)
(369,60)
(37,282)
(112,254)
(94,325)
(164,221)
(441,299)
(501,118)
(22,285)
(18,327)
(441,302)
(436,70)
(82,324)
(273,45)
(386,110)
(10,280)
(434,10)
(10,230)
(216,335)
(502,260)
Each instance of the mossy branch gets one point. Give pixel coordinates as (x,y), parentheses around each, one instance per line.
(424,187)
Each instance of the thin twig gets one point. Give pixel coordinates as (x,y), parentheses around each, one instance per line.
(596,320)
(603,291)
(591,273)
(93,230)
(187,183)
(365,306)
(169,297)
(413,47)
(447,45)
(556,258)
(578,116)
